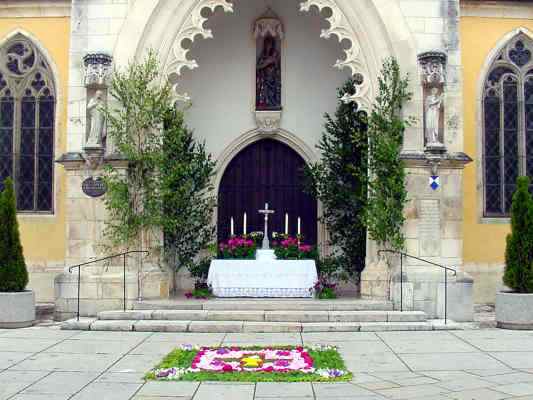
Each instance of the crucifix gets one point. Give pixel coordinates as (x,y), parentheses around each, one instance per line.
(266,212)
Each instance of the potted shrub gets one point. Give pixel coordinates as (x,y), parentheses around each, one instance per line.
(17,305)
(514,308)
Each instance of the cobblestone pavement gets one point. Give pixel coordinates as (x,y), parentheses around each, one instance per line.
(45,363)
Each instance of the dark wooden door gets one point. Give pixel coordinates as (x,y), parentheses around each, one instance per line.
(266,171)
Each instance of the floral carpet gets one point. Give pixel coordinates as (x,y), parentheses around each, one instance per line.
(252,364)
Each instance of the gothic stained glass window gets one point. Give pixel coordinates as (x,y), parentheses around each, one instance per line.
(507,125)
(27,120)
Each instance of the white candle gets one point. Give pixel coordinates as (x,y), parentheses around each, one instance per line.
(232,227)
(244,229)
(286,224)
(299,225)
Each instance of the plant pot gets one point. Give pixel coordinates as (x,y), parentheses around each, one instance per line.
(17,309)
(514,310)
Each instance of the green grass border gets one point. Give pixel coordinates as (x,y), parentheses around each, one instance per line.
(323,359)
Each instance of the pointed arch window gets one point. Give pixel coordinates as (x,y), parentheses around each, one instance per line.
(507,124)
(27,120)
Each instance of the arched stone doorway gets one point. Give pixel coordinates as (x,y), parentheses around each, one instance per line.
(266,171)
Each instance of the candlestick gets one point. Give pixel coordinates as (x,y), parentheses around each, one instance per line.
(232,227)
(299,226)
(286,224)
(244,229)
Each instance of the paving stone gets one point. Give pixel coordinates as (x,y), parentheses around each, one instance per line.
(410,392)
(354,349)
(161,326)
(9,389)
(339,390)
(122,377)
(331,327)
(108,391)
(84,324)
(426,346)
(297,316)
(112,326)
(519,360)
(515,377)
(236,315)
(180,315)
(478,394)
(110,336)
(270,327)
(216,326)
(9,358)
(152,348)
(136,363)
(465,383)
(201,339)
(169,389)
(90,347)
(40,397)
(125,315)
(265,338)
(27,376)
(374,362)
(210,391)
(317,337)
(66,362)
(358,316)
(26,346)
(379,385)
(277,389)
(66,383)
(449,361)
(39,333)
(516,389)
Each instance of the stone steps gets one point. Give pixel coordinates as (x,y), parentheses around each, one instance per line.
(249,326)
(265,305)
(302,316)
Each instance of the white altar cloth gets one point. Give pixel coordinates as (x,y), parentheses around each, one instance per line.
(258,278)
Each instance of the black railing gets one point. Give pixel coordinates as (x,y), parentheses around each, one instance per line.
(79,266)
(446,269)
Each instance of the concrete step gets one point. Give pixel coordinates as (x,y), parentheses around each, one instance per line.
(92,324)
(264,316)
(265,305)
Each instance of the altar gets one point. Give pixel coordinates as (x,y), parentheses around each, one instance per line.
(262,278)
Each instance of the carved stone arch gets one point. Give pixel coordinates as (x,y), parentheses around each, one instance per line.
(490,61)
(164,25)
(499,56)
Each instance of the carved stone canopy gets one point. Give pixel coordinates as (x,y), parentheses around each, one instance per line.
(433,68)
(268,25)
(98,68)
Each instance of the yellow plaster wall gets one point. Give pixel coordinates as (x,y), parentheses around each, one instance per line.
(44,237)
(484,243)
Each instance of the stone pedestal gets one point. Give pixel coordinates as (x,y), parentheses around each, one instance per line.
(375,280)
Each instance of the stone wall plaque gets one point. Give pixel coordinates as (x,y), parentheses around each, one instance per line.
(94,187)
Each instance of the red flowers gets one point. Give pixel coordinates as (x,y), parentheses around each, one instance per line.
(237,247)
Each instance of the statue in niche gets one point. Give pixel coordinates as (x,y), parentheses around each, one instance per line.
(268,76)
(97,120)
(433,107)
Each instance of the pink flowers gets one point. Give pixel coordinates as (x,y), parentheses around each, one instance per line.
(225,360)
(237,247)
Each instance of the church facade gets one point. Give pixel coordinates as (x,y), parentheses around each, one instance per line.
(260,75)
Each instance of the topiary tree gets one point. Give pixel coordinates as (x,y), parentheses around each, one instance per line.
(13,273)
(519,251)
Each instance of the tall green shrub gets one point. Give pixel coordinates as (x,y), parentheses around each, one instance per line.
(519,252)
(13,273)
(339,180)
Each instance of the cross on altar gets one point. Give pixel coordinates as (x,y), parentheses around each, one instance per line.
(266,212)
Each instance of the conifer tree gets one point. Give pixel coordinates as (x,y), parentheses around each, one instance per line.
(13,273)
(519,252)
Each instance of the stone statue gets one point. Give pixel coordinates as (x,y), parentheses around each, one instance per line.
(268,90)
(433,107)
(97,118)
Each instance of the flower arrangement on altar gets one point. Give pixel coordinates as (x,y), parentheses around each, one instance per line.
(252,364)
(292,248)
(238,247)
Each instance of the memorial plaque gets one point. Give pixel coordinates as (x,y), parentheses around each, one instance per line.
(94,187)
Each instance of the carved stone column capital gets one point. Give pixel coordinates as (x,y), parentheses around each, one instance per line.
(433,68)
(98,68)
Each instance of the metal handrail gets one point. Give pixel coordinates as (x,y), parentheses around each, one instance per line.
(445,268)
(79,266)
